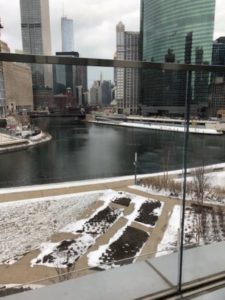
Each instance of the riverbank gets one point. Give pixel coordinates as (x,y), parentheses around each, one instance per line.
(10,143)
(161,127)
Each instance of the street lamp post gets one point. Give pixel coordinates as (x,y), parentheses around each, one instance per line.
(135,168)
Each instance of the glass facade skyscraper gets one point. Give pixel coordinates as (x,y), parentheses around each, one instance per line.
(36,36)
(67,34)
(175,32)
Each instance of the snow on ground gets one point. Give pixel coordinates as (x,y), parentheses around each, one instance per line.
(58,258)
(169,241)
(52,256)
(213,179)
(138,201)
(150,190)
(217,179)
(200,228)
(106,198)
(18,285)
(70,184)
(94,257)
(62,254)
(25,224)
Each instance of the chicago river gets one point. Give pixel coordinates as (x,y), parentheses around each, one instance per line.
(80,151)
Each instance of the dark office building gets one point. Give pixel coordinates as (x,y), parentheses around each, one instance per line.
(106,92)
(69,78)
(217,87)
(170,35)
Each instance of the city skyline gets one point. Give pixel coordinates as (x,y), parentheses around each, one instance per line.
(97,26)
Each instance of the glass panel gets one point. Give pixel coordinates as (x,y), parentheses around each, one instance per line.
(105,221)
(204,214)
(110,148)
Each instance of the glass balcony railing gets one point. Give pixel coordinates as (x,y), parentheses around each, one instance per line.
(112,170)
(96,193)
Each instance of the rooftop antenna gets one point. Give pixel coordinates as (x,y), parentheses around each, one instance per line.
(63,8)
(1,27)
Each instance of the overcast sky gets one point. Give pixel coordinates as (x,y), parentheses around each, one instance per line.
(94,23)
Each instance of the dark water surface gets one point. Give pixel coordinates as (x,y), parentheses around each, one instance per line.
(85,151)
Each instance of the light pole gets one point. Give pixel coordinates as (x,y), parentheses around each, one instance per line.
(135,168)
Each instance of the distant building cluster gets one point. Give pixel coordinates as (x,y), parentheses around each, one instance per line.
(15,85)
(167,35)
(101,93)
(36,86)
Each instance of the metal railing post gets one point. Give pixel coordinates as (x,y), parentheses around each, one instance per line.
(185,163)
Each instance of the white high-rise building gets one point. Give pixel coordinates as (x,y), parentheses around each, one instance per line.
(127,80)
(36,36)
(67,31)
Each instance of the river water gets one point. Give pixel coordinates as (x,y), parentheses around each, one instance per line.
(87,151)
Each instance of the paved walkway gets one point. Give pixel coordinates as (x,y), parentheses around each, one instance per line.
(6,139)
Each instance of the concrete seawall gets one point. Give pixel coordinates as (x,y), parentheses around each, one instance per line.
(10,144)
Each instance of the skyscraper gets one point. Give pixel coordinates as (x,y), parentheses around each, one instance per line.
(127,80)
(218,55)
(185,30)
(67,34)
(70,76)
(36,37)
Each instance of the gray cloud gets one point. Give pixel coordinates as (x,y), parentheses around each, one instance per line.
(94,24)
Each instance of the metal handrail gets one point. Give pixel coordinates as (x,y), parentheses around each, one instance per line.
(98,62)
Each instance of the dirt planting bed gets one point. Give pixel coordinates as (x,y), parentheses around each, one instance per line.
(147,213)
(125,248)
(4,291)
(204,225)
(101,222)
(65,253)
(124,201)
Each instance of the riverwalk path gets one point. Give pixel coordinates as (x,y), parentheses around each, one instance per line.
(10,143)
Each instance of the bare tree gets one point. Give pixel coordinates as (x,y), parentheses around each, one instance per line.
(66,273)
(200,189)
(165,163)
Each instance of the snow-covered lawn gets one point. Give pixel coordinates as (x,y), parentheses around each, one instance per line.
(25,224)
(169,241)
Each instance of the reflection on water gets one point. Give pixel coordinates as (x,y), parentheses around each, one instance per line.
(85,151)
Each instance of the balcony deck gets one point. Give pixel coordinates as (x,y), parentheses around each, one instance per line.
(141,279)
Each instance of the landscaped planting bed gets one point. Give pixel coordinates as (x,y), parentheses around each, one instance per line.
(64,253)
(204,225)
(147,214)
(124,201)
(122,251)
(102,221)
